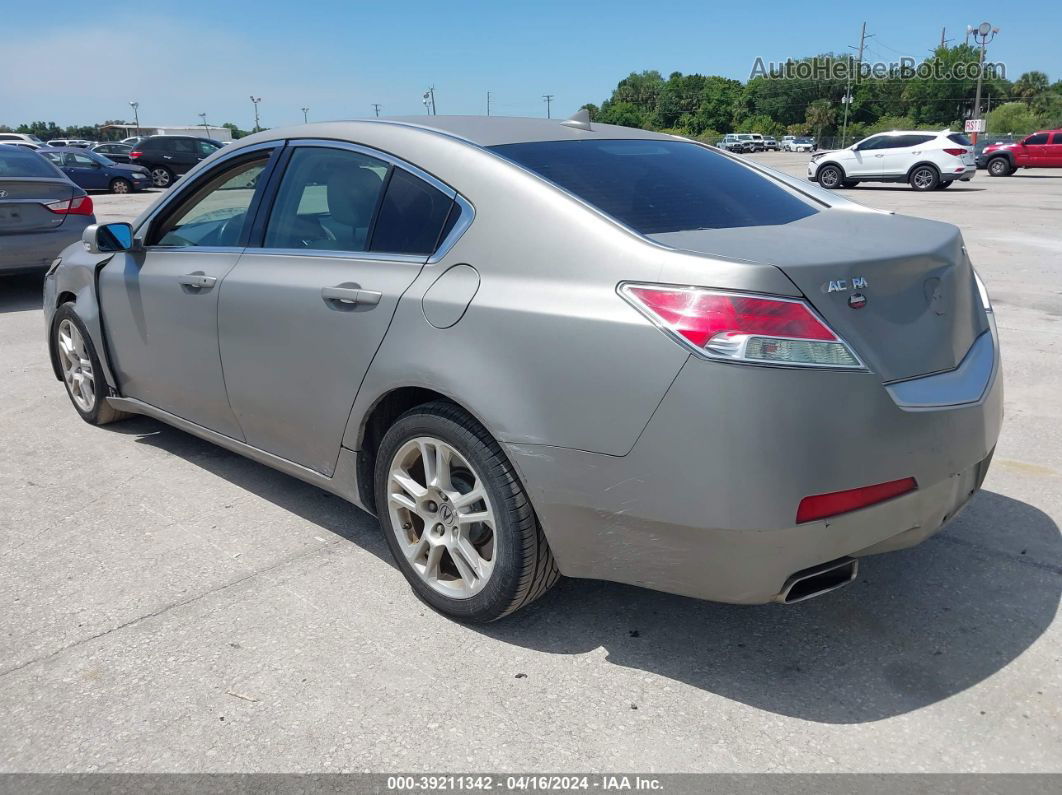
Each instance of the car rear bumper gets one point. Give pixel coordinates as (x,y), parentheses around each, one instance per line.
(705,504)
(36,250)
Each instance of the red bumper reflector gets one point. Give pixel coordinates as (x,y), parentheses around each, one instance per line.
(821,506)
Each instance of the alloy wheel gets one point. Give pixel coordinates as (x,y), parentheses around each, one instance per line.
(441,515)
(77,366)
(923,178)
(998,167)
(120,186)
(161,177)
(830,177)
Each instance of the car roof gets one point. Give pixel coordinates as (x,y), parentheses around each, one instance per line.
(481,130)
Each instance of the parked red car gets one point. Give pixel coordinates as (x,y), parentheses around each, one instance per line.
(1042,149)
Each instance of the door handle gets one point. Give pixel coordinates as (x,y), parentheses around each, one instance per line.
(879,155)
(351,295)
(197,280)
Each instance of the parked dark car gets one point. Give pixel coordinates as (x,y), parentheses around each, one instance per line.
(41,211)
(119,153)
(167,157)
(92,171)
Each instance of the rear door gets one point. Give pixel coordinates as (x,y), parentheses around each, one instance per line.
(185,155)
(1054,151)
(900,152)
(302,317)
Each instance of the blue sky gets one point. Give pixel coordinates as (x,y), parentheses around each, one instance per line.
(85,62)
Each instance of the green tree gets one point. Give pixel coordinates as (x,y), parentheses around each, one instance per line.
(1030,85)
(1012,117)
(820,115)
(236,131)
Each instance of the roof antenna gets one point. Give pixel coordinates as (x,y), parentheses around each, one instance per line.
(580,121)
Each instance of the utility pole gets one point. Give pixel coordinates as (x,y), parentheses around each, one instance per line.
(305,116)
(488,103)
(206,129)
(136,115)
(847,101)
(255,100)
(985,32)
(548,98)
(943,41)
(431,91)
(376,107)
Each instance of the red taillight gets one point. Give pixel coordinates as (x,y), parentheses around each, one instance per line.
(822,506)
(135,154)
(957,152)
(742,327)
(79,205)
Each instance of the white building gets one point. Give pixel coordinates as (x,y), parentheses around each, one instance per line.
(198,130)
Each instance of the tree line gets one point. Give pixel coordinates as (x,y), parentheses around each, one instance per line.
(49,130)
(937,93)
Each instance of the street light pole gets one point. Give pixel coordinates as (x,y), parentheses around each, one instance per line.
(305,118)
(255,100)
(136,115)
(985,32)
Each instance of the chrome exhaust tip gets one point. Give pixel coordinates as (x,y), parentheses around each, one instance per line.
(818,580)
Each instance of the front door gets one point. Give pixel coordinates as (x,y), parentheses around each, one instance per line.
(863,159)
(84,171)
(160,303)
(302,317)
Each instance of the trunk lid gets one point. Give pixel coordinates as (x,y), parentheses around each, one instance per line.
(22,205)
(922,310)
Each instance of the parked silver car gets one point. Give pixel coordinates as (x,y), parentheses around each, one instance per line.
(534,347)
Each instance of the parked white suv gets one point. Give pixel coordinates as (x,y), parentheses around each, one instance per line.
(925,160)
(20,139)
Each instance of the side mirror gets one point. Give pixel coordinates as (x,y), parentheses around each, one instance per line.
(107,238)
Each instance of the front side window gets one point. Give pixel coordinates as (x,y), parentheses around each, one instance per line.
(1036,140)
(326,200)
(877,142)
(70,160)
(206,148)
(661,186)
(215,214)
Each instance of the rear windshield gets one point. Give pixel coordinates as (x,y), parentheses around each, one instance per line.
(25,163)
(661,186)
(960,139)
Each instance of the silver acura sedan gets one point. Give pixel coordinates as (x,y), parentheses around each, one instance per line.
(535,347)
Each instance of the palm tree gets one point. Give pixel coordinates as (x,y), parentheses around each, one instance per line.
(819,115)
(1030,85)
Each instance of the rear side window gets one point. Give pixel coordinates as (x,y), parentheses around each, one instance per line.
(326,201)
(411,217)
(960,139)
(15,162)
(661,186)
(157,145)
(1057,138)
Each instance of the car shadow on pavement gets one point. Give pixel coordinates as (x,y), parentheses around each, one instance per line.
(21,292)
(917,627)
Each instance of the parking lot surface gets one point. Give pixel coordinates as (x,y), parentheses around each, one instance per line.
(170,606)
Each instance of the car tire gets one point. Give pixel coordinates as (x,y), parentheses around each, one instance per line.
(161,177)
(80,367)
(923,178)
(830,176)
(470,571)
(120,185)
(999,167)
(849,183)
